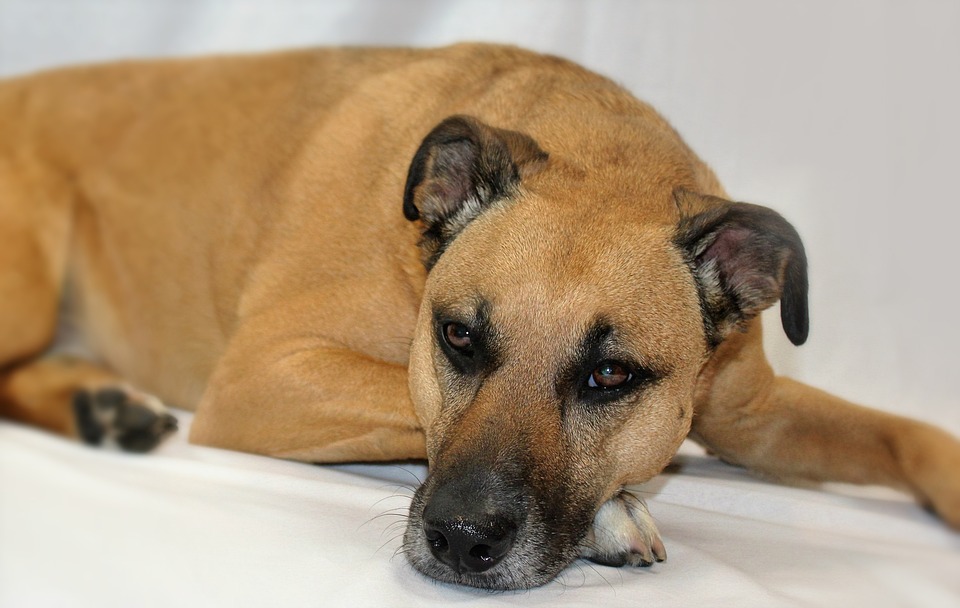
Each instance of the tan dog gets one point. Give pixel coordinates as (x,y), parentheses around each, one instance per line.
(572,294)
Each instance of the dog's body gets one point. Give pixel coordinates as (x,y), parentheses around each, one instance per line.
(571,295)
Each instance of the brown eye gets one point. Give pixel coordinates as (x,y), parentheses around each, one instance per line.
(458,336)
(609,374)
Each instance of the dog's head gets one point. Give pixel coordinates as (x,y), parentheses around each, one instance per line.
(559,341)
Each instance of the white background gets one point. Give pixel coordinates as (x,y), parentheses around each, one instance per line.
(842,115)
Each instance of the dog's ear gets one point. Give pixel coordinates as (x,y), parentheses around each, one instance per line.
(744,258)
(462,166)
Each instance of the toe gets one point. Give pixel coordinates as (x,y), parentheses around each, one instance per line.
(89,429)
(113,413)
(623,532)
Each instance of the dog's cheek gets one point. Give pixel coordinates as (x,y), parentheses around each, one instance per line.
(424,386)
(646,444)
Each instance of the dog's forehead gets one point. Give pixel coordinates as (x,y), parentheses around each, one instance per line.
(559,273)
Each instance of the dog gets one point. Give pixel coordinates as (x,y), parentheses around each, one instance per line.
(488,258)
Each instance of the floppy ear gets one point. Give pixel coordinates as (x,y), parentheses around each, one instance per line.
(744,258)
(462,166)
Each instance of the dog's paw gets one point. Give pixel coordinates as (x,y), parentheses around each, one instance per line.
(135,423)
(623,533)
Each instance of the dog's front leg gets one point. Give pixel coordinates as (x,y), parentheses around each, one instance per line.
(623,533)
(788,430)
(304,399)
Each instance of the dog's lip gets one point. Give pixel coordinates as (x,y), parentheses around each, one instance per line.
(501,577)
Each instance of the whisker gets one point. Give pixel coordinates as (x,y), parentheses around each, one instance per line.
(404,545)
(392,528)
(374,518)
(393,511)
(389,540)
(392,496)
(590,565)
(401,512)
(418,481)
(399,516)
(403,548)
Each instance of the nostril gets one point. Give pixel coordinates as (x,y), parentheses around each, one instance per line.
(482,553)
(488,548)
(470,522)
(469,546)
(438,542)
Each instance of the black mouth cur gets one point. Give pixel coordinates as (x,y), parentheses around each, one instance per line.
(485,257)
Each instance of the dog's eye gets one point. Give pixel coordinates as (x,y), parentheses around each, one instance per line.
(458,337)
(608,375)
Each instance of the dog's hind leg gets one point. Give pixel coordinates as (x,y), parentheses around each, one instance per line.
(69,397)
(788,430)
(34,239)
(76,398)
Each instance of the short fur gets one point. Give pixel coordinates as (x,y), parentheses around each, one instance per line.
(286,242)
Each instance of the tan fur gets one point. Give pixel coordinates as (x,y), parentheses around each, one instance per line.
(227,233)
(41,391)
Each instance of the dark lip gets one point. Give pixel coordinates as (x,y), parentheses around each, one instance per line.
(499,578)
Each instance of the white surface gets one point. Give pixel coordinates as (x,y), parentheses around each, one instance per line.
(193,526)
(841,115)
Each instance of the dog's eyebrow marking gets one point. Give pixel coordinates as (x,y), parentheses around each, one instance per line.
(487,342)
(594,343)
(597,340)
(600,342)
(489,337)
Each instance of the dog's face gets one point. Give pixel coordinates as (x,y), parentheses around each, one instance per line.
(556,354)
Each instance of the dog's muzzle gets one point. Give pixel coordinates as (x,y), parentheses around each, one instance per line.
(470,523)
(478,528)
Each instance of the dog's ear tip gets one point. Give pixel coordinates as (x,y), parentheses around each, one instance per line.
(410,211)
(794,316)
(794,306)
(797,332)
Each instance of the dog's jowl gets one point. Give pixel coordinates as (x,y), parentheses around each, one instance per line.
(485,257)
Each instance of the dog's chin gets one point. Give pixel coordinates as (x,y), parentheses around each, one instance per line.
(534,560)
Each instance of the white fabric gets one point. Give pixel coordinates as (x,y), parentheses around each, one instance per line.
(840,114)
(194,526)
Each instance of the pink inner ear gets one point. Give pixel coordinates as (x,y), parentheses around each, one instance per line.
(727,245)
(452,179)
(748,270)
(449,192)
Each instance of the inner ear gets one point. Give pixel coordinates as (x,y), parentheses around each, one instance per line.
(461,168)
(744,258)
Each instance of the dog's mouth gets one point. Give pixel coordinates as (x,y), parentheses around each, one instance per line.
(477,531)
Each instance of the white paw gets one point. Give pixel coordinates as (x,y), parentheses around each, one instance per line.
(623,533)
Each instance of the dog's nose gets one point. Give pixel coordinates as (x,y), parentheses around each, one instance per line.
(473,545)
(471,518)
